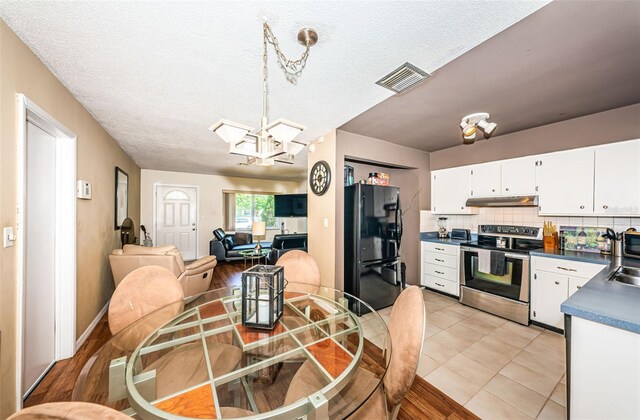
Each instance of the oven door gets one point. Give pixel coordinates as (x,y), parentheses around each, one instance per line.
(513,285)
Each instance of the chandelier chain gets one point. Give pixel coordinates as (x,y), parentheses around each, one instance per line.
(293,66)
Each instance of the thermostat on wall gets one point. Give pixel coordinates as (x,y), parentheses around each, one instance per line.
(83,190)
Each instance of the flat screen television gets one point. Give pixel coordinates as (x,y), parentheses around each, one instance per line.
(290,205)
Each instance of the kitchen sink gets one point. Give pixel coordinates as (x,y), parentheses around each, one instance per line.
(627,275)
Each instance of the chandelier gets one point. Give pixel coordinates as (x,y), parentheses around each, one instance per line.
(274,141)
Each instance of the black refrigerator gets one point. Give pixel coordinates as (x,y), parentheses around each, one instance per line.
(372,235)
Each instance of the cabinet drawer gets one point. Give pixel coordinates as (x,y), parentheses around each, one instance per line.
(444,260)
(441,249)
(567,267)
(445,273)
(441,285)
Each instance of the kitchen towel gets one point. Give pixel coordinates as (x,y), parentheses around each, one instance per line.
(498,263)
(484,260)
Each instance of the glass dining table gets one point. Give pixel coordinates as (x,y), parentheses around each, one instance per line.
(195,359)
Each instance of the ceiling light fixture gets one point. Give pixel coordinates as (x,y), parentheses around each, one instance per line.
(272,142)
(472,122)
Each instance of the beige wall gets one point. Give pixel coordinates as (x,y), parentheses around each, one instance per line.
(97,154)
(322,240)
(210,189)
(604,127)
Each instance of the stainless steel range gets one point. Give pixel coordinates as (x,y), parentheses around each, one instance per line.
(494,270)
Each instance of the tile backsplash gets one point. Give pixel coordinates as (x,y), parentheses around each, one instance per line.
(525,216)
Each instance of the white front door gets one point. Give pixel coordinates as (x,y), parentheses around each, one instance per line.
(39,286)
(176,218)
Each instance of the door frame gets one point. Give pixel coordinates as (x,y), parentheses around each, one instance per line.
(65,232)
(155,204)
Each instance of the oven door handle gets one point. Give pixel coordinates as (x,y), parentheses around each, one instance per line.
(506,254)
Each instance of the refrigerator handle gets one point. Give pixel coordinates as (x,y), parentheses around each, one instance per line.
(399,224)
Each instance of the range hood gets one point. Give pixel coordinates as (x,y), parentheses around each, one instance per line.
(516,201)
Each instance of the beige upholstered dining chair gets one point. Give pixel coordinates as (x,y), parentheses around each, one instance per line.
(141,292)
(156,289)
(406,328)
(69,411)
(300,268)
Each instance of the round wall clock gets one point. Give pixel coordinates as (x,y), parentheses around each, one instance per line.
(320,177)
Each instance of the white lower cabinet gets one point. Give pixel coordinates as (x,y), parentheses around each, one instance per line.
(549,292)
(605,371)
(553,280)
(439,267)
(575,283)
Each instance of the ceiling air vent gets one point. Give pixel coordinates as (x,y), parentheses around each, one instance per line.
(404,77)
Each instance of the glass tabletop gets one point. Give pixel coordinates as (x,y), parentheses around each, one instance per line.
(195,359)
(251,253)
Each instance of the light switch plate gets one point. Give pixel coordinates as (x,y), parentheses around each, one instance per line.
(326,222)
(8,238)
(83,190)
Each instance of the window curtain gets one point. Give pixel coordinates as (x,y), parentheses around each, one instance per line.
(229,211)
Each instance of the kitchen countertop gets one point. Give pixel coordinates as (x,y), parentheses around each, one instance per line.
(589,257)
(608,302)
(433,237)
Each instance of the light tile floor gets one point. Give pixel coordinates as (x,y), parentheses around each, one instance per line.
(496,368)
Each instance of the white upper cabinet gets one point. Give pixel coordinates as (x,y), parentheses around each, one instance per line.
(450,190)
(485,180)
(565,182)
(519,176)
(617,179)
(600,180)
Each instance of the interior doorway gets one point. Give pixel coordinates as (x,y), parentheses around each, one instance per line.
(46,241)
(175,211)
(39,264)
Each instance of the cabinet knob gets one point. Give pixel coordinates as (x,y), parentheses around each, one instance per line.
(462,208)
(605,207)
(493,190)
(582,207)
(579,287)
(507,189)
(557,282)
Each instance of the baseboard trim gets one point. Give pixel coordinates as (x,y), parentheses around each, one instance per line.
(80,341)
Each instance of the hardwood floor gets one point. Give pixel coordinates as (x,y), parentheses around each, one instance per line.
(423,401)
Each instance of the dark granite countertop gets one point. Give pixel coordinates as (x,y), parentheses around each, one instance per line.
(608,302)
(589,257)
(433,237)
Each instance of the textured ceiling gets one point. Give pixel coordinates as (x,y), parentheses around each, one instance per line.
(567,60)
(157,74)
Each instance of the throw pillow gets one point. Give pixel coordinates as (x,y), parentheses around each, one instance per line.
(242,238)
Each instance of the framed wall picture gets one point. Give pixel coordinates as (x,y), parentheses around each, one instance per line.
(122,197)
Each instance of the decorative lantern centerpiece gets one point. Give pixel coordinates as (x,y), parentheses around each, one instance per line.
(262,296)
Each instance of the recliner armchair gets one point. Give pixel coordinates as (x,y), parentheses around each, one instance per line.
(284,243)
(194,277)
(225,248)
